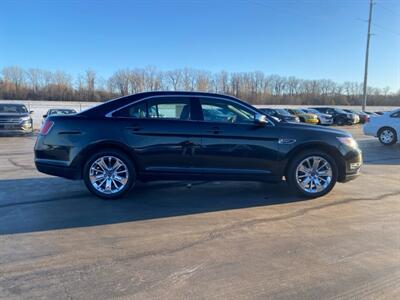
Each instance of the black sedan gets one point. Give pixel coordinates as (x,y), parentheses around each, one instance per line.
(281,114)
(364,117)
(340,117)
(167,136)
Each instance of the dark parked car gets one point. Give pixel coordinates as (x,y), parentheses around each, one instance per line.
(380,113)
(280,114)
(371,114)
(58,111)
(167,136)
(340,117)
(364,117)
(15,118)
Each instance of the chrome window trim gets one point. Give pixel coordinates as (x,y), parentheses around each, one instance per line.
(110,114)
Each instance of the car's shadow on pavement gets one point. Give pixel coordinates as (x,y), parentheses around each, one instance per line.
(39,204)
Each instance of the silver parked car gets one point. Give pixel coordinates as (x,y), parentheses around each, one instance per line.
(15,118)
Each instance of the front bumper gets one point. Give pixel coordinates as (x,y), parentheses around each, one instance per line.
(24,127)
(311,121)
(353,164)
(326,121)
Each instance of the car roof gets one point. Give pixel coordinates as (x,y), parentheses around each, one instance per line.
(117,103)
(7,103)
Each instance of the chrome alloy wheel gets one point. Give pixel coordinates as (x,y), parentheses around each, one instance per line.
(387,136)
(314,174)
(108,174)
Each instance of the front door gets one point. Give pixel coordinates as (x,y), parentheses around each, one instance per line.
(232,143)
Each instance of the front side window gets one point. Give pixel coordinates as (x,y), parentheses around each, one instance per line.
(225,111)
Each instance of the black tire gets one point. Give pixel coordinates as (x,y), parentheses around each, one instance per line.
(124,158)
(384,141)
(340,122)
(294,163)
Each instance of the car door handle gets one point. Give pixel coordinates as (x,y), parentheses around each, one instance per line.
(215,130)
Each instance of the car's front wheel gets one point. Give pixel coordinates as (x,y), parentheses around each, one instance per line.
(109,174)
(387,136)
(312,173)
(340,122)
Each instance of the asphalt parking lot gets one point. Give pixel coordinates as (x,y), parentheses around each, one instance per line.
(207,240)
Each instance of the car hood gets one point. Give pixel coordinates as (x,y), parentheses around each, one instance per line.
(13,115)
(314,128)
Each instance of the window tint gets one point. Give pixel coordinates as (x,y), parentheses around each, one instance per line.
(225,111)
(137,111)
(169,108)
(330,111)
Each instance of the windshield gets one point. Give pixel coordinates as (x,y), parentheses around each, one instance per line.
(340,111)
(282,112)
(297,111)
(13,108)
(310,110)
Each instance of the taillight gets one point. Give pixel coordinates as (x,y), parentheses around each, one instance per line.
(46,127)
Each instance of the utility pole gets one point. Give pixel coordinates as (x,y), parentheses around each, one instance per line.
(366,58)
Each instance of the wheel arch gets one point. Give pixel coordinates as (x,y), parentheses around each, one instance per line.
(330,150)
(89,150)
(396,137)
(387,127)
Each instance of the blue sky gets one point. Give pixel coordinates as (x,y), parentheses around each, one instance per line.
(307,39)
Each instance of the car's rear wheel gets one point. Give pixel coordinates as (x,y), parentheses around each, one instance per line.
(387,136)
(109,174)
(312,173)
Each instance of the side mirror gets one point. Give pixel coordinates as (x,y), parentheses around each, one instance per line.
(45,116)
(31,112)
(260,119)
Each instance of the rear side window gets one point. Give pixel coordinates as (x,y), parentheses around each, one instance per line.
(169,108)
(138,111)
(158,108)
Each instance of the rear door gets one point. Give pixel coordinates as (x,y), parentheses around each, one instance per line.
(232,143)
(162,134)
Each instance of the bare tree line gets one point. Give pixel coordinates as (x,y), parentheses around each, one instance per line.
(255,87)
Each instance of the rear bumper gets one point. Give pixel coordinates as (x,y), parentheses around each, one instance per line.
(326,121)
(57,168)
